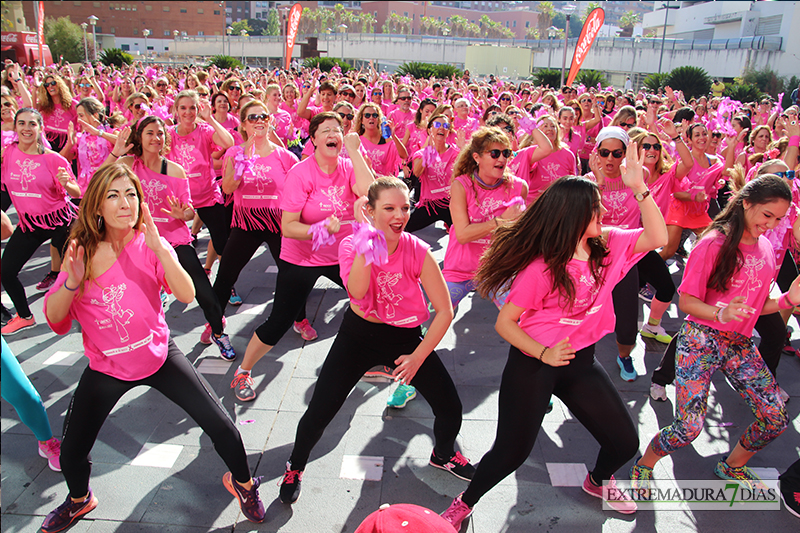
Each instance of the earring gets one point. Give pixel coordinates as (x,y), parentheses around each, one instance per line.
(100,222)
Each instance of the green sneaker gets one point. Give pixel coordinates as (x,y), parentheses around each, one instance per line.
(743,474)
(656,332)
(401,396)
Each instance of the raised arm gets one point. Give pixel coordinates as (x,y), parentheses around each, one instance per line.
(655,230)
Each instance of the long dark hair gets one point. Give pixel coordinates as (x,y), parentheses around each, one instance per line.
(135,137)
(731,223)
(551,228)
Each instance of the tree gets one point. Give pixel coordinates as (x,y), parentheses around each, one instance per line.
(7,24)
(273,23)
(115,57)
(693,81)
(627,22)
(397,24)
(368,21)
(241,25)
(575,24)
(589,8)
(546,13)
(225,62)
(66,39)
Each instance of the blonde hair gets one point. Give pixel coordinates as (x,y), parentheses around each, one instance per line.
(45,101)
(357,126)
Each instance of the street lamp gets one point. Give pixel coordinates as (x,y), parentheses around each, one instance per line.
(93,21)
(636,41)
(567,9)
(243,33)
(229,31)
(445,33)
(342,29)
(175,35)
(552,31)
(666,7)
(146,33)
(85,44)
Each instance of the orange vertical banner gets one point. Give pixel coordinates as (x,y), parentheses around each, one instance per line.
(40,32)
(291,33)
(588,34)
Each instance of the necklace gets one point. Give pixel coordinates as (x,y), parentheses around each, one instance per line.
(484,185)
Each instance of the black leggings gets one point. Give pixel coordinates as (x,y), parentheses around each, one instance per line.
(421,218)
(626,306)
(217,219)
(245,242)
(653,270)
(525,391)
(359,346)
(21,247)
(179,381)
(206,299)
(292,288)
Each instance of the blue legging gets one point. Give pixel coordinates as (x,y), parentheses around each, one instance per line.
(21,394)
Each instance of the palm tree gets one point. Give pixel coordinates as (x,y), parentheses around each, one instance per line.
(546,13)
(627,22)
(368,21)
(589,8)
(458,25)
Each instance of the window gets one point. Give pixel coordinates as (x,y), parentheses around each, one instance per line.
(136,31)
(98,29)
(528,24)
(125,47)
(166,9)
(148,7)
(201,33)
(113,31)
(166,33)
(405,13)
(200,11)
(183,10)
(515,24)
(216,11)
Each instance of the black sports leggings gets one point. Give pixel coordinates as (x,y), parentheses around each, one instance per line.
(206,299)
(21,247)
(626,306)
(179,381)
(217,219)
(653,270)
(525,391)
(359,346)
(422,218)
(292,288)
(245,243)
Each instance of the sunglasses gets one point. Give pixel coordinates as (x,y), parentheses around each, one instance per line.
(438,124)
(493,113)
(648,146)
(494,154)
(404,98)
(475,91)
(137,106)
(348,116)
(505,99)
(256,118)
(605,152)
(306,86)
(378,93)
(627,125)
(161,84)
(717,135)
(8,104)
(788,174)
(371,115)
(586,101)
(348,95)
(50,84)
(84,85)
(509,129)
(234,88)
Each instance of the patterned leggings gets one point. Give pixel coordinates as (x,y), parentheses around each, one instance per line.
(701,351)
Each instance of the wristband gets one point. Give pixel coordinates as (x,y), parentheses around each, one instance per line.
(784,302)
(115,156)
(718,315)
(496,223)
(676,138)
(70,290)
(794,140)
(542,354)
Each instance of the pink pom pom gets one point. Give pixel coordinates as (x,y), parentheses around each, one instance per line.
(517,200)
(371,243)
(320,235)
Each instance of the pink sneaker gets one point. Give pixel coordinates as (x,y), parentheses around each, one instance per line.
(51,450)
(615,498)
(305,330)
(457,512)
(18,324)
(205,337)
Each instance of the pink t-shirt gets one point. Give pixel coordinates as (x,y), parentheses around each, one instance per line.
(58,121)
(284,128)
(299,122)
(124,332)
(32,182)
(401,120)
(461,260)
(316,196)
(576,143)
(623,209)
(92,151)
(548,169)
(384,158)
(662,189)
(256,202)
(156,188)
(470,125)
(416,139)
(752,280)
(520,164)
(394,295)
(549,319)
(436,176)
(193,153)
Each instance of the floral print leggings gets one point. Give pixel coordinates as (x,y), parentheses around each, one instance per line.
(701,351)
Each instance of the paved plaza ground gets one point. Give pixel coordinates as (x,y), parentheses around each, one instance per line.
(154,471)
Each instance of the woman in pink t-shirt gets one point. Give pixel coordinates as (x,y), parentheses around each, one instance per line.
(560,162)
(55,104)
(382,327)
(561,265)
(591,121)
(569,134)
(38,181)
(384,155)
(484,196)
(725,289)
(114,268)
(316,214)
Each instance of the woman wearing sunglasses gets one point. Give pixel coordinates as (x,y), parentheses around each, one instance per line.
(589,124)
(316,214)
(504,100)
(137,107)
(376,98)
(561,263)
(625,118)
(561,161)
(484,195)
(232,87)
(119,94)
(699,174)
(384,155)
(87,86)
(433,164)
(55,104)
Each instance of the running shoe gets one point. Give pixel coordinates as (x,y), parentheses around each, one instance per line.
(242,386)
(66,513)
(458,465)
(790,497)
(401,396)
(646,293)
(615,498)
(641,476)
(655,332)
(290,484)
(658,392)
(208,272)
(18,324)
(51,450)
(380,372)
(235,299)
(205,337)
(788,349)
(304,329)
(742,473)
(47,282)
(223,342)
(164,299)
(249,502)
(626,370)
(457,512)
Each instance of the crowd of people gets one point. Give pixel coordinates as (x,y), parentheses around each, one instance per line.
(563,207)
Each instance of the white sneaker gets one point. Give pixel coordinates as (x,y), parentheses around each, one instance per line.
(656,332)
(784,395)
(658,392)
